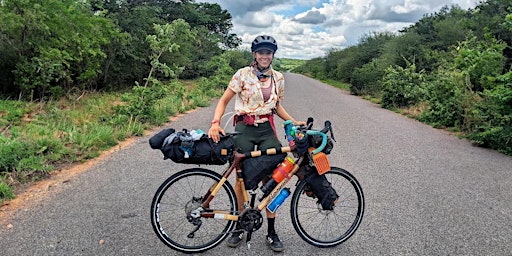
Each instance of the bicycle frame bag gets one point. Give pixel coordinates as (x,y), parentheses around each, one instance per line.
(318,186)
(185,150)
(256,169)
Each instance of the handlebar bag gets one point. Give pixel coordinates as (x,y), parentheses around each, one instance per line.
(202,151)
(316,140)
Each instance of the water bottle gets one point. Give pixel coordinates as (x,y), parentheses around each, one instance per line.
(279,174)
(278,200)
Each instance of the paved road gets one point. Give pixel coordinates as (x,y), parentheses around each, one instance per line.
(427,192)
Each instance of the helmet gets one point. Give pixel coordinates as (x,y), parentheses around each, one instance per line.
(264,42)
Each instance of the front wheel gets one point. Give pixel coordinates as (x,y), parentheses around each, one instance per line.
(175,201)
(328,228)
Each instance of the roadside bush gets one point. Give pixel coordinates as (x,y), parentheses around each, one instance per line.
(445,94)
(481,60)
(402,87)
(367,79)
(492,125)
(140,102)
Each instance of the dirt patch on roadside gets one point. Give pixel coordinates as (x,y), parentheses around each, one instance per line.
(36,192)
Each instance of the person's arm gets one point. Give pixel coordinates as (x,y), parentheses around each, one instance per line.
(215,129)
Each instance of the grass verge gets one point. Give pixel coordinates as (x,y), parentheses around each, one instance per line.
(38,138)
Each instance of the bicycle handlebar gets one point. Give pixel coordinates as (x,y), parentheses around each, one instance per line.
(291,131)
(324,140)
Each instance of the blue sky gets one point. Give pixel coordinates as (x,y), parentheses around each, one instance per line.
(307,29)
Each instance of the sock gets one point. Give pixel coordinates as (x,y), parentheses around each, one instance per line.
(271,225)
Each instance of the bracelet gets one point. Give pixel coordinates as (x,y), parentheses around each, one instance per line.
(215,121)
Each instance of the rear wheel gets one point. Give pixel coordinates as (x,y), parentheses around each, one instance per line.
(328,228)
(178,197)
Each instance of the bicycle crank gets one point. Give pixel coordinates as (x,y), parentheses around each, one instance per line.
(250,220)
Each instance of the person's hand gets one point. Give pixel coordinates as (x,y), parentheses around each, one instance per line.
(215,131)
(299,123)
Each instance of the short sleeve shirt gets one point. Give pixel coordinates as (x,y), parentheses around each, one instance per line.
(249,97)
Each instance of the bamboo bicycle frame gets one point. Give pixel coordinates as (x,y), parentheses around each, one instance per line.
(236,165)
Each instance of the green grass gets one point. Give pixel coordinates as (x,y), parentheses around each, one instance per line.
(37,138)
(286,64)
(6,191)
(338,84)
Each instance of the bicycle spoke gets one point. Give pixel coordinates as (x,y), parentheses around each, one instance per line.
(177,198)
(326,228)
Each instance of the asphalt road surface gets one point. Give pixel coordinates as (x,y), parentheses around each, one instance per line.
(427,191)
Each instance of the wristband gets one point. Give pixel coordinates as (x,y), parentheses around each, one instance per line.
(215,121)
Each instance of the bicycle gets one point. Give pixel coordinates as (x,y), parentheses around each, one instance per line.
(195,209)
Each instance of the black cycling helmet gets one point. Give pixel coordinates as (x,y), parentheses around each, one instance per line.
(264,42)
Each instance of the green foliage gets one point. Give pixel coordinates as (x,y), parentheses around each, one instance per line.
(166,41)
(337,84)
(451,67)
(220,65)
(11,113)
(57,44)
(492,117)
(314,68)
(49,48)
(17,155)
(286,64)
(139,103)
(6,191)
(402,87)
(366,80)
(445,96)
(37,137)
(481,60)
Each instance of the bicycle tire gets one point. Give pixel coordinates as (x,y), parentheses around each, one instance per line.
(174,197)
(328,228)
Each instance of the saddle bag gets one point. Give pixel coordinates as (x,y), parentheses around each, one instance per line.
(157,140)
(183,147)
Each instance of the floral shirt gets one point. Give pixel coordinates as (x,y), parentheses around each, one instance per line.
(249,97)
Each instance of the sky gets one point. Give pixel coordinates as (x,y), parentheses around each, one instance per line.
(306,29)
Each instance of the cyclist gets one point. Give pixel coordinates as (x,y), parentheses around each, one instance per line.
(259,91)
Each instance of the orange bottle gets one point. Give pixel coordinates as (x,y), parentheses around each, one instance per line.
(279,174)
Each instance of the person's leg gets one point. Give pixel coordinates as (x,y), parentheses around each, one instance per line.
(269,140)
(243,143)
(236,237)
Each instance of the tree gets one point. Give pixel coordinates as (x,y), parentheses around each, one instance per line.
(166,40)
(52,46)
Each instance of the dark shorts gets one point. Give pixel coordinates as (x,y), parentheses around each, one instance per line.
(262,136)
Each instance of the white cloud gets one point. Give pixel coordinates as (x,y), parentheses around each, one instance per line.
(407,7)
(289,27)
(311,17)
(309,28)
(258,19)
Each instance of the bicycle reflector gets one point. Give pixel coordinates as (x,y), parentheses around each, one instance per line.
(321,161)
